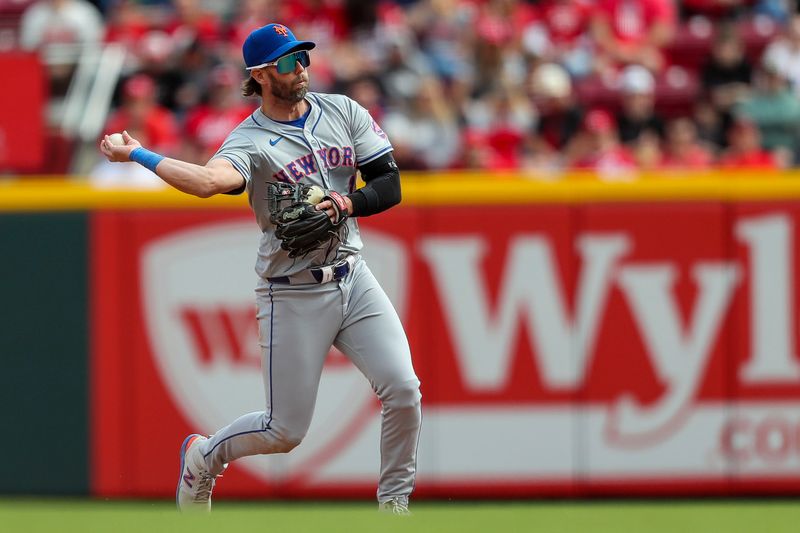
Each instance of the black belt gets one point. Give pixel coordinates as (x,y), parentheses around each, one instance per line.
(323,274)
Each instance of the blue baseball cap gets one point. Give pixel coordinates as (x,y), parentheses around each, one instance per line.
(270,42)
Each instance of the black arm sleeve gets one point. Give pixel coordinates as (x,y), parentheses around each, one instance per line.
(238,190)
(381,190)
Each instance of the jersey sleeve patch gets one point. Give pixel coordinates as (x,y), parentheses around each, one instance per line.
(369,140)
(377,129)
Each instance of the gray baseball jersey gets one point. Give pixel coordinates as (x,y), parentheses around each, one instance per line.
(299,323)
(338,135)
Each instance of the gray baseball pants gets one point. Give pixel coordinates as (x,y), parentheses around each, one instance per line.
(297,326)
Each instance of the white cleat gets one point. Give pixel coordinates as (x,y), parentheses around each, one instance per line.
(195,482)
(397,505)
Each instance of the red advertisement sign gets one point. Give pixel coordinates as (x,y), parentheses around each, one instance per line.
(629,349)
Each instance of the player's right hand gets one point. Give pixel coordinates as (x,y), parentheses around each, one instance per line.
(119,153)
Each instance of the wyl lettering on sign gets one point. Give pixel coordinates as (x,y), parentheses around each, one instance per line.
(533,295)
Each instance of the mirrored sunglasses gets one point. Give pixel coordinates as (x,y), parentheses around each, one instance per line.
(288,63)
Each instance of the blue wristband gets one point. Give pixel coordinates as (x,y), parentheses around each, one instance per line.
(146,158)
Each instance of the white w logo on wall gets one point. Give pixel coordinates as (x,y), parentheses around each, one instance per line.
(200,312)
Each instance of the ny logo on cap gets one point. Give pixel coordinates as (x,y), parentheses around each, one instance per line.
(281,30)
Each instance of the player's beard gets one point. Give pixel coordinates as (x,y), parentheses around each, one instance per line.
(285,90)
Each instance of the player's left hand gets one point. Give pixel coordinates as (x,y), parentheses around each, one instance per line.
(330,210)
(119,153)
(303,219)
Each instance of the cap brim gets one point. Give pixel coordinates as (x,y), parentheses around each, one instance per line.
(287,48)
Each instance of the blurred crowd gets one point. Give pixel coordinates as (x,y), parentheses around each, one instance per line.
(612,86)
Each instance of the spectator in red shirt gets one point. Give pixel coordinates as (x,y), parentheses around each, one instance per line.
(191,22)
(647,151)
(633,31)
(565,21)
(745,148)
(682,149)
(507,16)
(208,124)
(601,150)
(504,119)
(324,21)
(559,34)
(126,24)
(143,118)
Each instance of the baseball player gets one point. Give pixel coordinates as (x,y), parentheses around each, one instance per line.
(312,298)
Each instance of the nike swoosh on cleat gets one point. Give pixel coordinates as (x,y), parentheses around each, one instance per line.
(188,477)
(275,141)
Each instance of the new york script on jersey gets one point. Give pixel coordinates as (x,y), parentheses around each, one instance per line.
(306,165)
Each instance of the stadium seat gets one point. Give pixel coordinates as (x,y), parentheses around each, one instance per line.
(757,32)
(676,91)
(692,42)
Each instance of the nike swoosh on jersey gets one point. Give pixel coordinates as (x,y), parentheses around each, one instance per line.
(273,142)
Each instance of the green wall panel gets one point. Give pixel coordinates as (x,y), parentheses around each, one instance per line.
(44,353)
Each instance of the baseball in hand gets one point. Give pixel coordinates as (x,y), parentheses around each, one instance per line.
(315,195)
(116,139)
